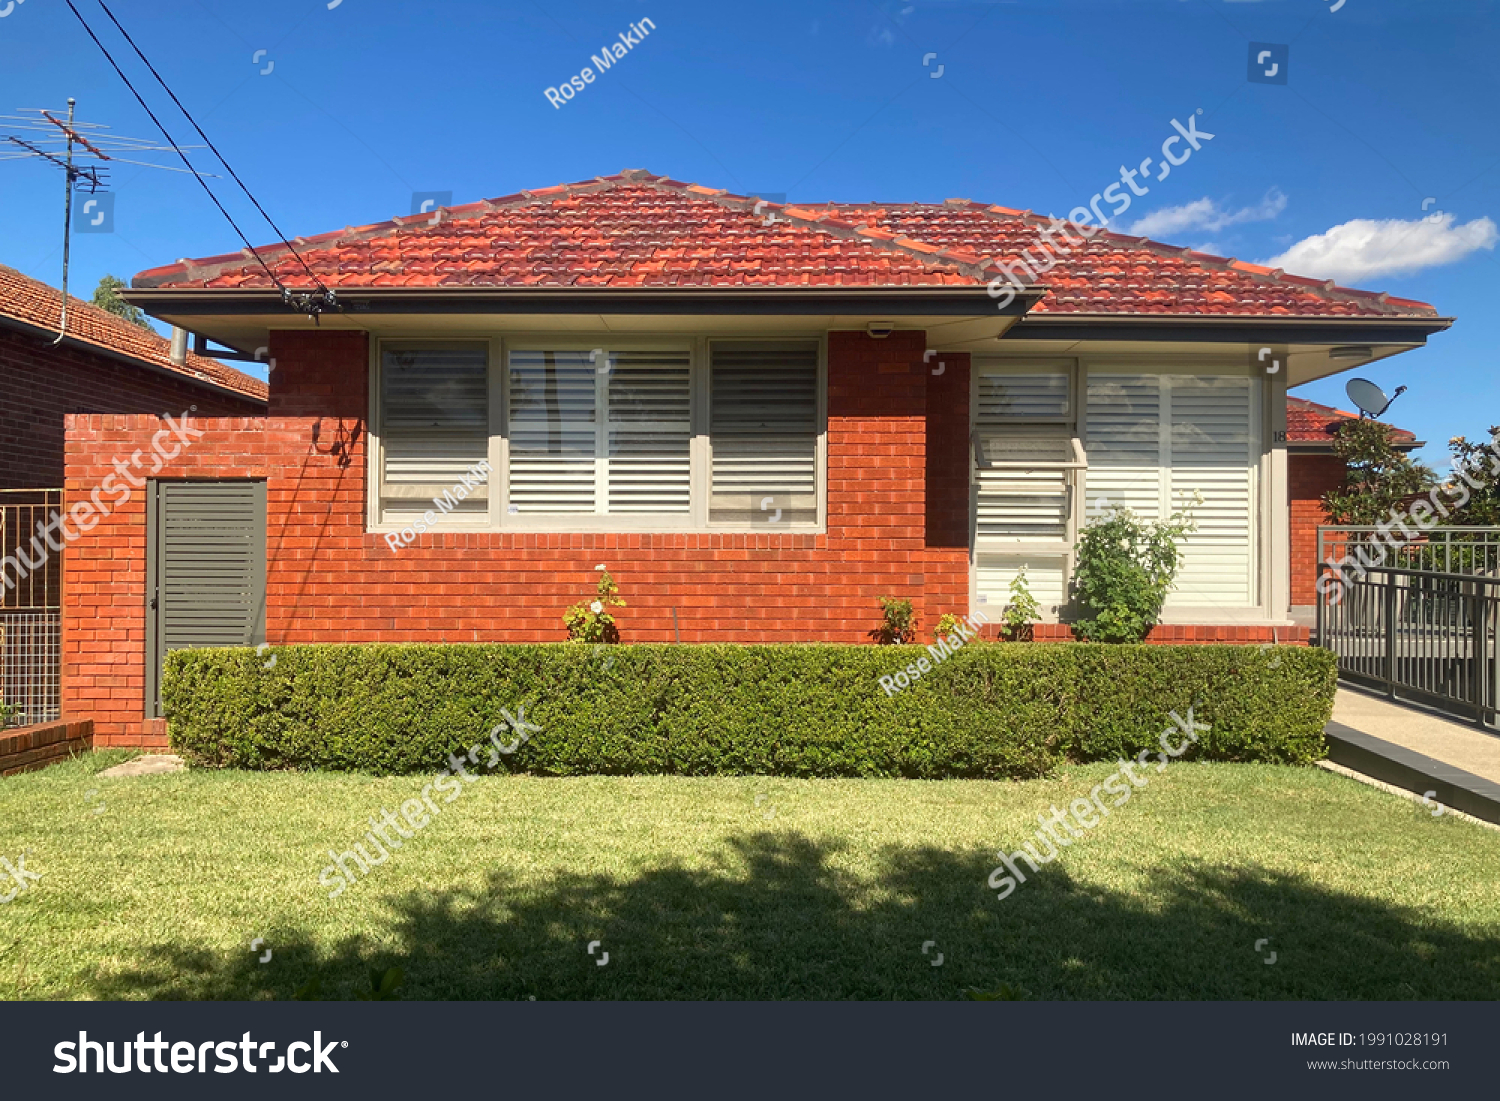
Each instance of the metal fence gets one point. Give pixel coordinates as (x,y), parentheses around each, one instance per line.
(1420,635)
(30,608)
(1438,549)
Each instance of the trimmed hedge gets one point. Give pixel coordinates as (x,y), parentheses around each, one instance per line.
(990,711)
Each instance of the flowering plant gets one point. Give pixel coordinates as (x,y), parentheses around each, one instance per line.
(590,621)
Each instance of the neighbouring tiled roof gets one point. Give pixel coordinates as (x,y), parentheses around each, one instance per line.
(640,230)
(1309,422)
(26,299)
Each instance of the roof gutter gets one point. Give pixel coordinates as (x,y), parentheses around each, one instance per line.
(966,301)
(1317,447)
(1247,330)
(70,341)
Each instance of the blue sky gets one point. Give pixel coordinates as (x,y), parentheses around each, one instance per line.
(1387,104)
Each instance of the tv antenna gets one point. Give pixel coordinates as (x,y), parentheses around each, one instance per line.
(81,150)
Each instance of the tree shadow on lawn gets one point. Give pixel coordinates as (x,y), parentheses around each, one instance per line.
(789,923)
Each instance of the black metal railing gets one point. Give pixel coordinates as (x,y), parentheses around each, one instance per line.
(1415,634)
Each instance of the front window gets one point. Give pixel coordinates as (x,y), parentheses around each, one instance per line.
(1162,443)
(434,426)
(600,432)
(636,437)
(1026,460)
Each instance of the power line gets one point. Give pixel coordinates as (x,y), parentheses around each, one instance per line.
(212,148)
(301,302)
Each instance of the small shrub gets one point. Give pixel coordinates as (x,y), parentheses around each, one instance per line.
(1125,570)
(900,625)
(590,621)
(1022,611)
(947,626)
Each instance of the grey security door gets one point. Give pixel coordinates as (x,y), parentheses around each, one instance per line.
(205,570)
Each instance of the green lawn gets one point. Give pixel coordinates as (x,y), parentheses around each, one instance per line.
(695,892)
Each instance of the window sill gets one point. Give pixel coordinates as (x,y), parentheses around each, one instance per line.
(595,529)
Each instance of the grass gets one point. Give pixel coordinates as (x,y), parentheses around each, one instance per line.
(744,888)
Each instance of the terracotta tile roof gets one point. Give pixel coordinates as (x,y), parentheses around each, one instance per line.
(640,230)
(1309,422)
(1116,274)
(634,230)
(26,299)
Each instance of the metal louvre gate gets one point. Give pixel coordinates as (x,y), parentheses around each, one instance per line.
(30,608)
(206,565)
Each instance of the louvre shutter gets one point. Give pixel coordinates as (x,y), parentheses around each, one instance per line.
(1125,443)
(210,566)
(1209,448)
(1006,396)
(649,422)
(764,433)
(1023,503)
(1213,455)
(553,431)
(434,426)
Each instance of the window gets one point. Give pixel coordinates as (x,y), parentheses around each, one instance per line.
(434,426)
(1026,458)
(668,435)
(1157,441)
(764,434)
(600,432)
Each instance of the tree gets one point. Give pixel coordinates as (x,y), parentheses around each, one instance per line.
(107,297)
(1377,477)
(1482,506)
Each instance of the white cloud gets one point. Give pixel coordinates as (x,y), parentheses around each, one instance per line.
(1205,215)
(1366,247)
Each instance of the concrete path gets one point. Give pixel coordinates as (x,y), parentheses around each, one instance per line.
(149,765)
(1454,743)
(1453,767)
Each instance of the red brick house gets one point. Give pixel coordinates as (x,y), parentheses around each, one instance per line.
(103,364)
(761,418)
(1312,470)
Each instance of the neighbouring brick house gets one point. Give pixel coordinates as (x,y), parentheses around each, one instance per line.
(1313,470)
(103,365)
(761,420)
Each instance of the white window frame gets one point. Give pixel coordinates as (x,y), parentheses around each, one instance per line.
(1065,548)
(499,519)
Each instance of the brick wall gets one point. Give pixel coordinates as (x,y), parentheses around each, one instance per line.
(1308,478)
(26,748)
(39,385)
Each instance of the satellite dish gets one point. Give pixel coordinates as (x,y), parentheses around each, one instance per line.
(1368,398)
